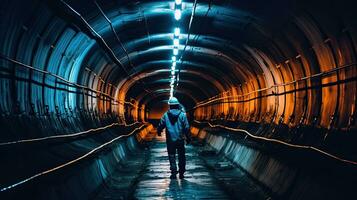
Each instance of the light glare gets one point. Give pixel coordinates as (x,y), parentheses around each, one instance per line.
(177,32)
(177,14)
(175,52)
(176,42)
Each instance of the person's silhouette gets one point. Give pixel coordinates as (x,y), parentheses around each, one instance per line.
(177,131)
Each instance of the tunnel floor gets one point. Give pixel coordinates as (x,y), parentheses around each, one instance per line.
(208,176)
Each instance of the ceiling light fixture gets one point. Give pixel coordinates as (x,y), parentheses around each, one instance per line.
(177,14)
(176,42)
(175,51)
(177,32)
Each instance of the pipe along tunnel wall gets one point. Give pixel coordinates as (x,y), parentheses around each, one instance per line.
(287,172)
(283,70)
(54,173)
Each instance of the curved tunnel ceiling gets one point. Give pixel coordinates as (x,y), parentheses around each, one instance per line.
(230,43)
(283,71)
(146,34)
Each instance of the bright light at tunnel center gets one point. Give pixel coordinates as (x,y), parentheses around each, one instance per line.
(176,42)
(177,32)
(177,14)
(175,52)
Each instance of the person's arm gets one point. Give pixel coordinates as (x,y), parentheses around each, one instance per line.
(186,128)
(161,125)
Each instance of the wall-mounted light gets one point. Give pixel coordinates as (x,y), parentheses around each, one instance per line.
(178,2)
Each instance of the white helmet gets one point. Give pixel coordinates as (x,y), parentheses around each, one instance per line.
(173,101)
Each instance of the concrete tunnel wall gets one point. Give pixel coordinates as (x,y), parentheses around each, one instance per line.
(80,180)
(283,70)
(287,173)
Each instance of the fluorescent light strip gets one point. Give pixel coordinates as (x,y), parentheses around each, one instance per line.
(175,51)
(177,14)
(176,42)
(177,32)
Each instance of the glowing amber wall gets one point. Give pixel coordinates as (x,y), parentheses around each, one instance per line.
(315,87)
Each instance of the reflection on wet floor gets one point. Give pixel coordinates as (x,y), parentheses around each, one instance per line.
(145,175)
(155,182)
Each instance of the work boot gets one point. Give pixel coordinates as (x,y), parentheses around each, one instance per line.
(173,176)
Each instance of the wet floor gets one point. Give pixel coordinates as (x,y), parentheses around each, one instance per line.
(145,175)
(156,184)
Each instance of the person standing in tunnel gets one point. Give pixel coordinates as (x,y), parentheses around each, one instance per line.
(177,131)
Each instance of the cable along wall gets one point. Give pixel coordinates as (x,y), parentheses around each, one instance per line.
(316,87)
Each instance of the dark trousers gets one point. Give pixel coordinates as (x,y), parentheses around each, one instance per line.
(178,145)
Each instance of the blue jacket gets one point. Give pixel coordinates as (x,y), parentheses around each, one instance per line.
(176,124)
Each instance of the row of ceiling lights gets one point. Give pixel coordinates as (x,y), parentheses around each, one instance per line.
(176,44)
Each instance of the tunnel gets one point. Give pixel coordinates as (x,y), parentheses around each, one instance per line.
(268,87)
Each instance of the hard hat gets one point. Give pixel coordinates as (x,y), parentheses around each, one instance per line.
(173,101)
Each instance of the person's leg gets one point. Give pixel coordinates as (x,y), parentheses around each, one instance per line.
(181,157)
(171,150)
